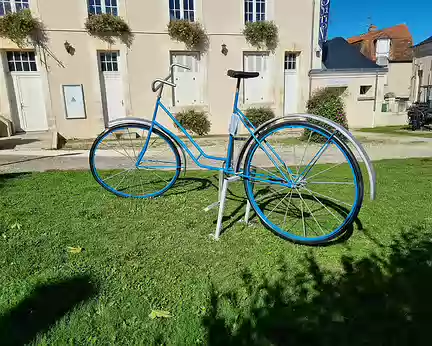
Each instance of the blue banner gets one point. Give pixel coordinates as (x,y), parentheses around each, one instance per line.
(324,21)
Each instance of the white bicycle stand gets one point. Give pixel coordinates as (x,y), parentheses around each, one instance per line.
(223,188)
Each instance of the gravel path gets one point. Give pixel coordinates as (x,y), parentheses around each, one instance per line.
(378,146)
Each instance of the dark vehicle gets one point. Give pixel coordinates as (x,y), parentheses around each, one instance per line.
(420,113)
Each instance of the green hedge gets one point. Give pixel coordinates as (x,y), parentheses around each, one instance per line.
(194,121)
(328,103)
(258,116)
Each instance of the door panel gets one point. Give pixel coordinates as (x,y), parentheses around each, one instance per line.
(257,90)
(30,102)
(291,83)
(188,90)
(114,96)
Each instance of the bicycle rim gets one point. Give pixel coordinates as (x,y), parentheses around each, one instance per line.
(114,156)
(303,182)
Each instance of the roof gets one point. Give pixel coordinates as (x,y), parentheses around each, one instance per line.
(401,42)
(339,54)
(428,40)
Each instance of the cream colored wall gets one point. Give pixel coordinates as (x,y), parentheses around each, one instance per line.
(360,108)
(423,61)
(399,78)
(149,57)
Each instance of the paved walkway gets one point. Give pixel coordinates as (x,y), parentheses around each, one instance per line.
(377,145)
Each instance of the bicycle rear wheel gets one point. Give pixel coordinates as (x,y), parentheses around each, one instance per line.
(114,156)
(303,182)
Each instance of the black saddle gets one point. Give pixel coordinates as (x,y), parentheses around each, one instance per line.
(242,74)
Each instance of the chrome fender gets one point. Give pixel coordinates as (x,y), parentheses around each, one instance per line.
(343,132)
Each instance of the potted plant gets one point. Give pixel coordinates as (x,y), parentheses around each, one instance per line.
(107,27)
(262,35)
(192,34)
(22,28)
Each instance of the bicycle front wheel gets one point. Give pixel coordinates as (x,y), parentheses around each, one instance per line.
(114,161)
(303,182)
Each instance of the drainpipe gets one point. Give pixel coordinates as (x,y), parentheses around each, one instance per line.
(375,100)
(312,46)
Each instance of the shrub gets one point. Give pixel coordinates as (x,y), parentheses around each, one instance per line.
(194,121)
(328,103)
(258,116)
(107,27)
(21,28)
(263,34)
(191,34)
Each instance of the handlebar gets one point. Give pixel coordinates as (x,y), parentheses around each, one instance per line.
(166,80)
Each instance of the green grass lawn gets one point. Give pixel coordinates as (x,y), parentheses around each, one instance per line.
(249,288)
(402,130)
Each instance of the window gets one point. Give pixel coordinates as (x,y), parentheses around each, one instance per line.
(182,9)
(255,10)
(21,61)
(190,86)
(103,6)
(290,61)
(383,51)
(109,61)
(364,89)
(257,90)
(7,6)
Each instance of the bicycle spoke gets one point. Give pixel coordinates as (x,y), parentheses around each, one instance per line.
(114,175)
(304,153)
(127,173)
(326,170)
(286,212)
(330,182)
(331,198)
(310,212)
(317,156)
(133,148)
(278,204)
(337,218)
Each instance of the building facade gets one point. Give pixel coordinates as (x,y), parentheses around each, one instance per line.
(422,72)
(46,89)
(391,48)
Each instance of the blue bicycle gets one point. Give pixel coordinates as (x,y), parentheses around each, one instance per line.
(300,176)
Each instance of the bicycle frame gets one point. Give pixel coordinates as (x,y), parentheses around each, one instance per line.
(227,168)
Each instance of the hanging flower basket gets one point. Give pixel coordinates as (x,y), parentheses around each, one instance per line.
(108,27)
(22,29)
(262,35)
(192,34)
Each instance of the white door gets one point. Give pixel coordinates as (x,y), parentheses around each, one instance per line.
(291,83)
(189,82)
(28,89)
(113,92)
(257,90)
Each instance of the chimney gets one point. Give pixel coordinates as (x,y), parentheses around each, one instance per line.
(372,28)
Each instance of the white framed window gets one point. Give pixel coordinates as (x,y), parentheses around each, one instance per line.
(109,61)
(255,10)
(7,6)
(21,61)
(257,90)
(103,6)
(182,9)
(290,61)
(189,90)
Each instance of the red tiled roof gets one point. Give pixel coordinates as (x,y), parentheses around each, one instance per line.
(400,37)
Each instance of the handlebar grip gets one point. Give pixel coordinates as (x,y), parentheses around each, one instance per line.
(180,65)
(161,82)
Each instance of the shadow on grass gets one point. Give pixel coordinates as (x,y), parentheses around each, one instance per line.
(44,307)
(239,212)
(4,178)
(382,299)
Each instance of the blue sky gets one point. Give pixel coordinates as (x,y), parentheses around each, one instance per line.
(352,17)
